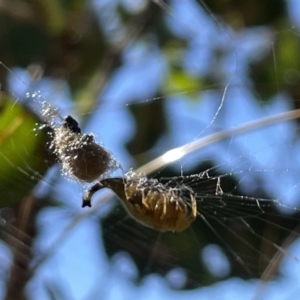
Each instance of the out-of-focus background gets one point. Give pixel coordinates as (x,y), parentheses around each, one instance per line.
(146,77)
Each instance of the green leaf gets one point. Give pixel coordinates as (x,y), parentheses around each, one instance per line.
(23,155)
(179,81)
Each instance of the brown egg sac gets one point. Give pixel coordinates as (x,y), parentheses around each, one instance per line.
(80,156)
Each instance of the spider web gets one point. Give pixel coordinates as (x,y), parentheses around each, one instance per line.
(255,166)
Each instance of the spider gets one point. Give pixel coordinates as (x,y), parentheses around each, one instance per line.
(151,203)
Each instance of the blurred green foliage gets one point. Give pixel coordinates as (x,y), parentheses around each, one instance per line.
(23,153)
